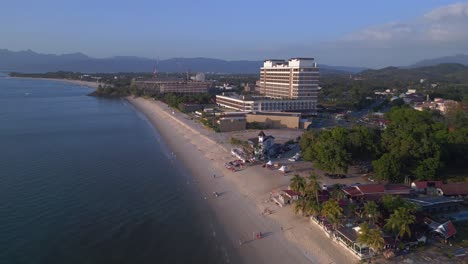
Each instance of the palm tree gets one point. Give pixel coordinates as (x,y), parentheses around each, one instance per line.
(375,240)
(312,187)
(351,209)
(332,211)
(370,237)
(300,205)
(298,184)
(372,211)
(337,192)
(399,222)
(312,208)
(363,236)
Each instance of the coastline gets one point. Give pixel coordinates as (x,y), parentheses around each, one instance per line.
(244,195)
(77,82)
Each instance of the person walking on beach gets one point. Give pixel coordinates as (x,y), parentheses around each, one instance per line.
(214,176)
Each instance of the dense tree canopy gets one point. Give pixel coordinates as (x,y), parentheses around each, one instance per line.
(415,144)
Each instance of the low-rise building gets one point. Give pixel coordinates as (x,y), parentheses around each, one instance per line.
(453,189)
(171,85)
(426,187)
(252,103)
(232,123)
(438,104)
(288,196)
(375,191)
(275,119)
(434,205)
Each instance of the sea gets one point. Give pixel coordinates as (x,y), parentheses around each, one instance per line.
(89,180)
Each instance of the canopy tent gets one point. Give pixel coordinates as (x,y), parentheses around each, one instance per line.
(283,168)
(269,163)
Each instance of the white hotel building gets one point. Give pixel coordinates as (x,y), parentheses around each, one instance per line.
(285,85)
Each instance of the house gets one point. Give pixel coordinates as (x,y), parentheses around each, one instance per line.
(288,196)
(426,187)
(445,230)
(262,143)
(348,237)
(453,189)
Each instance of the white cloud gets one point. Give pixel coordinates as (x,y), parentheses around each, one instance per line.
(458,10)
(440,32)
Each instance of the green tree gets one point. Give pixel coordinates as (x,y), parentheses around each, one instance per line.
(392,202)
(388,168)
(312,187)
(375,240)
(332,211)
(400,221)
(372,211)
(312,208)
(363,234)
(371,237)
(330,152)
(300,206)
(298,184)
(363,142)
(337,192)
(411,143)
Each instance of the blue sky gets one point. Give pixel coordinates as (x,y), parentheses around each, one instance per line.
(354,33)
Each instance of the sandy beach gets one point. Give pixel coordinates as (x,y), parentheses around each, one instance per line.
(77,82)
(243,195)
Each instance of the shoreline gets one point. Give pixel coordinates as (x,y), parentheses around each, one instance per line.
(243,195)
(94,85)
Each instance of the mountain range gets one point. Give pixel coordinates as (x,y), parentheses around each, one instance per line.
(445,72)
(31,62)
(460,59)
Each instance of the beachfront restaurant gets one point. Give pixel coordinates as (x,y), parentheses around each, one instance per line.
(347,236)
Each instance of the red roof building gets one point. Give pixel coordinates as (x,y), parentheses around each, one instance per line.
(375,191)
(423,185)
(453,189)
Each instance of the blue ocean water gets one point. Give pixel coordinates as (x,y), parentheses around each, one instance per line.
(87,180)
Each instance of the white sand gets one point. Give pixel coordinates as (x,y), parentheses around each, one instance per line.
(244,195)
(78,82)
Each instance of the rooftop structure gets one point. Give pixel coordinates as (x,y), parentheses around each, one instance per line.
(438,104)
(437,204)
(371,191)
(453,189)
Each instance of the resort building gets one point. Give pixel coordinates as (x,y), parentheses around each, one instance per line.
(296,78)
(284,85)
(265,104)
(172,85)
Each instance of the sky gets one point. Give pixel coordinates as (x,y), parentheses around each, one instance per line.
(349,33)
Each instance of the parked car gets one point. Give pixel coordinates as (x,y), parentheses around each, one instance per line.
(335,176)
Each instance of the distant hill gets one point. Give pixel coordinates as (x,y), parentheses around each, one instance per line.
(448,72)
(460,59)
(32,62)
